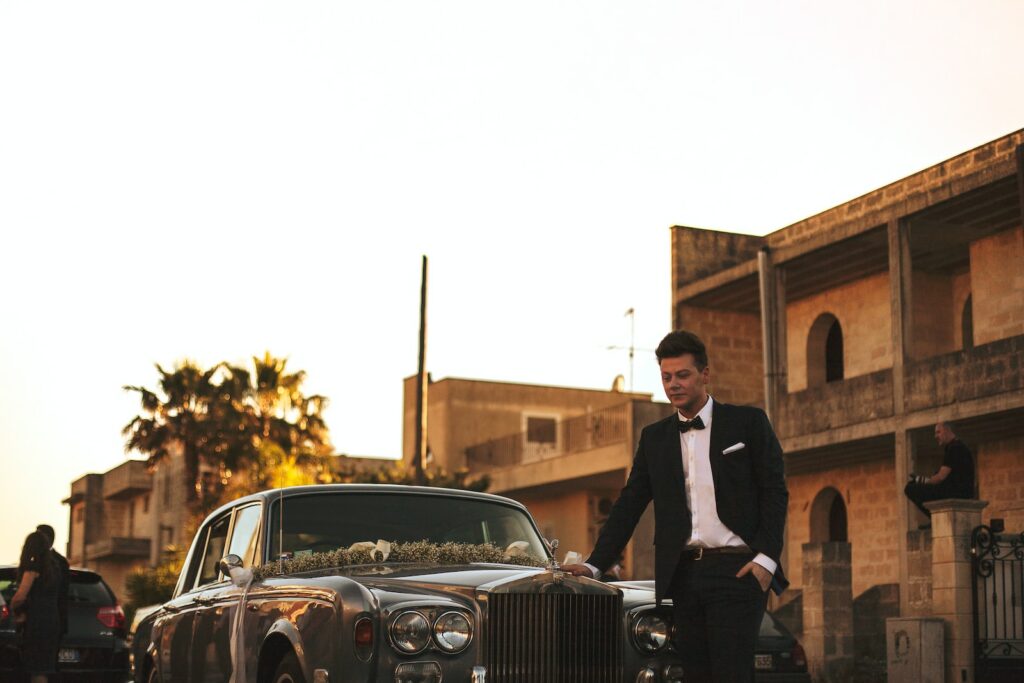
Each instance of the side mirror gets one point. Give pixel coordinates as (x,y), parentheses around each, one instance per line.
(229,562)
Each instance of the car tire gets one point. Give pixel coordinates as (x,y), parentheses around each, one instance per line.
(288,670)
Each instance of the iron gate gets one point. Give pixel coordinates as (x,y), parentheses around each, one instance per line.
(997,584)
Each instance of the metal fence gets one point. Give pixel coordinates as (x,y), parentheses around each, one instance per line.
(998,587)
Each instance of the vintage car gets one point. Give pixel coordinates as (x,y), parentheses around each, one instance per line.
(391,583)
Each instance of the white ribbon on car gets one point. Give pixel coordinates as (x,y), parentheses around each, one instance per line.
(242,578)
(517,549)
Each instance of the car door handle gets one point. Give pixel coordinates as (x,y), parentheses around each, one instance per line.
(252,607)
(205,602)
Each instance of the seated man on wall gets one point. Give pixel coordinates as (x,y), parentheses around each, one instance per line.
(955,479)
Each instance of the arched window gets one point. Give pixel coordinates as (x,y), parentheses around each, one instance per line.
(828,517)
(967,325)
(825,351)
(834,353)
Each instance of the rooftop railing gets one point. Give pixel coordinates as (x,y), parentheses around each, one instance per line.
(575,435)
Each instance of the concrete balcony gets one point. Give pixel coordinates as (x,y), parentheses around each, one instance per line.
(576,435)
(836,404)
(126,480)
(118,548)
(981,372)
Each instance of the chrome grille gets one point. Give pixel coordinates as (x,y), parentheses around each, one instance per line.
(554,638)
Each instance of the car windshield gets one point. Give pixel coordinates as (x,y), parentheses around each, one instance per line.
(327,521)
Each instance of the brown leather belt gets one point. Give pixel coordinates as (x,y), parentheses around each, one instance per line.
(700,552)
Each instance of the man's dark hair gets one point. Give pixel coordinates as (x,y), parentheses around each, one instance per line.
(48,533)
(681,342)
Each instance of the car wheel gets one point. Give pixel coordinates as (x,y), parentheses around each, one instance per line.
(288,670)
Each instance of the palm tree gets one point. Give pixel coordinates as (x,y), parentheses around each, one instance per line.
(228,420)
(179,416)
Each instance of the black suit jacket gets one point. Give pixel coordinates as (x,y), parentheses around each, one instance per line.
(750,491)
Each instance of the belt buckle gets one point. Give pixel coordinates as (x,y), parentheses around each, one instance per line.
(700,553)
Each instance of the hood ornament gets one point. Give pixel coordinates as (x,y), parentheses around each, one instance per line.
(553,565)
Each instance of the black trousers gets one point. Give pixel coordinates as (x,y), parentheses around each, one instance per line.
(717,618)
(919,494)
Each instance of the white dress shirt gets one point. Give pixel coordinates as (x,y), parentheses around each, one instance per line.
(708,530)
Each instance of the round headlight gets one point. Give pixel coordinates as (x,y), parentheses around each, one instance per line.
(410,632)
(452,631)
(650,632)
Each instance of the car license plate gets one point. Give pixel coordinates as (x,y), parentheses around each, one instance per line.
(67,655)
(762,662)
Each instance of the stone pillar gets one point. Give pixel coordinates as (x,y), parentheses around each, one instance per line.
(918,599)
(828,611)
(952,523)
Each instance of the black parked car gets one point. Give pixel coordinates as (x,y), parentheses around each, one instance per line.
(93,649)
(779,658)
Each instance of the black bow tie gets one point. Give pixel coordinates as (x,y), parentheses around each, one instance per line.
(687,425)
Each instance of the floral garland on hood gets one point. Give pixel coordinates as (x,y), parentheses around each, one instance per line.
(417,552)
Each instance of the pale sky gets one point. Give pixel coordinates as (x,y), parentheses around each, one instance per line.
(212,180)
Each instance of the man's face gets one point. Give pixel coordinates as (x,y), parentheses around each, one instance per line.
(943,434)
(685,386)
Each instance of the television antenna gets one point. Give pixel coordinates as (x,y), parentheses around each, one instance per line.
(631,314)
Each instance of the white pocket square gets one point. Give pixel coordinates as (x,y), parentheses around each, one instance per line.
(733,448)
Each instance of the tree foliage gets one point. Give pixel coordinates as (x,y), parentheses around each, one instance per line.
(231,424)
(153,585)
(352,473)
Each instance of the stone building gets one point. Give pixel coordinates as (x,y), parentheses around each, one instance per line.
(857,329)
(117,521)
(563,452)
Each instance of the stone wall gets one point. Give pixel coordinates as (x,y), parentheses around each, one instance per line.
(997,275)
(836,404)
(733,340)
(699,253)
(870,610)
(872,514)
(862,308)
(919,573)
(828,611)
(564,517)
(965,171)
(994,368)
(1000,467)
(464,413)
(933,314)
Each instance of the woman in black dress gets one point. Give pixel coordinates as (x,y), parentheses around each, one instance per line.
(35,608)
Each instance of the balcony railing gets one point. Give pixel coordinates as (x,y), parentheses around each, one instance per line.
(985,370)
(575,435)
(836,404)
(118,547)
(126,480)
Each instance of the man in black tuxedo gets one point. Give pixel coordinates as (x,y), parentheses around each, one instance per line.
(715,474)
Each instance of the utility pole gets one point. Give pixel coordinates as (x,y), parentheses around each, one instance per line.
(421,387)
